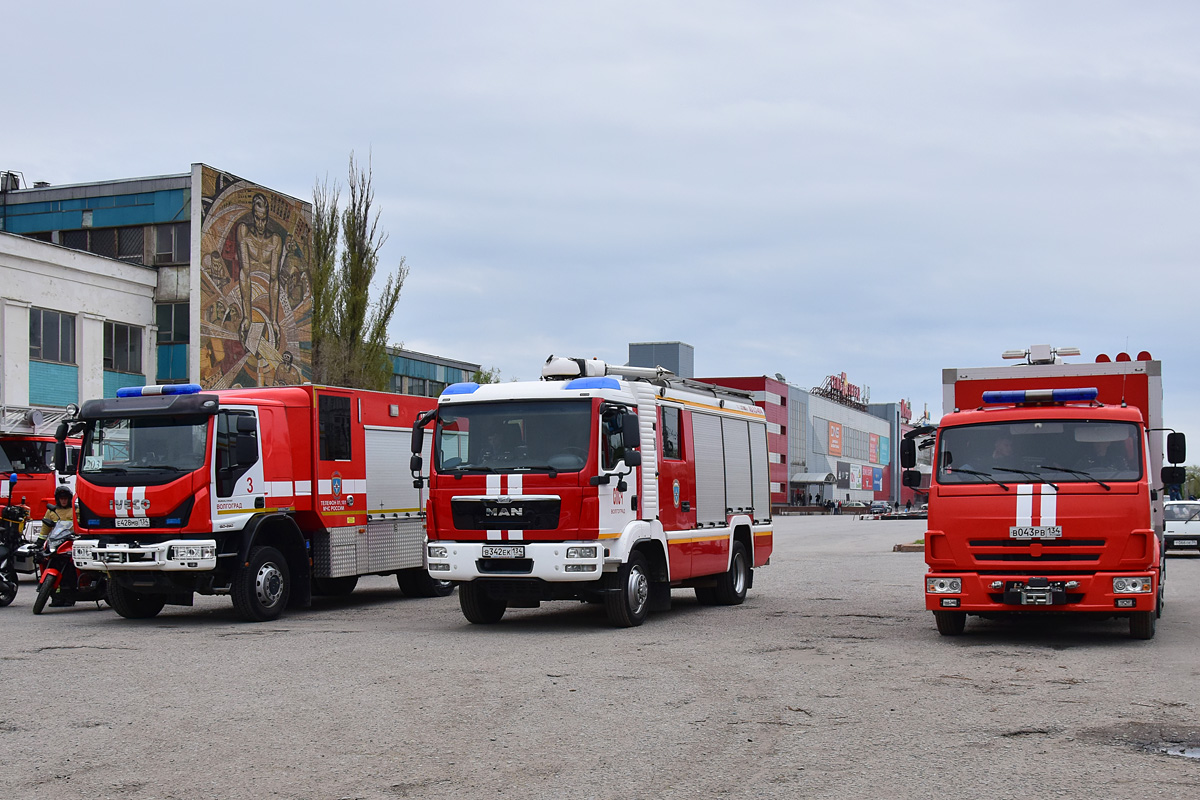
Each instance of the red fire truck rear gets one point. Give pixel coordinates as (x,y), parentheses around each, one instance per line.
(598,483)
(1046,492)
(268,495)
(27,449)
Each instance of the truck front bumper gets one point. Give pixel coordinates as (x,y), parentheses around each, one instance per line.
(1084,593)
(175,555)
(559,562)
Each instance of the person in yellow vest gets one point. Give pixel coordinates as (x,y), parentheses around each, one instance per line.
(59,512)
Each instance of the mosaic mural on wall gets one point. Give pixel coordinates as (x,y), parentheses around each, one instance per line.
(255,299)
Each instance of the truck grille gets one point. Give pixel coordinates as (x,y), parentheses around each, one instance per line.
(515,514)
(1079,550)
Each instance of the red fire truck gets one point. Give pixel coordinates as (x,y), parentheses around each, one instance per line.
(1046,492)
(31,457)
(598,483)
(268,495)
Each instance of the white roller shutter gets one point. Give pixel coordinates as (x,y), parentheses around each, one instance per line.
(737,465)
(710,469)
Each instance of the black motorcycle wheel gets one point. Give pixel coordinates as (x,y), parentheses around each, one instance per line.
(45,589)
(8,587)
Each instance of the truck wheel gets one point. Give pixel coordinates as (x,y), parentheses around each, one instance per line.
(335,587)
(45,589)
(1142,624)
(731,586)
(950,623)
(629,601)
(1162,586)
(261,589)
(419,583)
(134,605)
(478,606)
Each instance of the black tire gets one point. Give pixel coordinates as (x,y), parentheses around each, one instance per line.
(950,623)
(629,602)
(335,587)
(8,587)
(261,589)
(731,586)
(478,606)
(706,595)
(134,605)
(45,589)
(1162,586)
(1142,624)
(419,583)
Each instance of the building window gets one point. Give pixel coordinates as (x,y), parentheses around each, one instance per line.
(123,243)
(172,320)
(122,348)
(51,336)
(173,243)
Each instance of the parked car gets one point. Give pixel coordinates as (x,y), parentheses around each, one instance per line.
(880,507)
(1183,524)
(854,504)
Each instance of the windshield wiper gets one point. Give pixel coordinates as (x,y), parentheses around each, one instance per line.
(986,475)
(1081,473)
(1036,476)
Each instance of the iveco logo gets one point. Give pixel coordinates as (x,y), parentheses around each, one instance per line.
(129,505)
(515,511)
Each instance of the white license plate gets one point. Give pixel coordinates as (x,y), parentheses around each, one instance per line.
(504,551)
(1185,543)
(132,522)
(1035,532)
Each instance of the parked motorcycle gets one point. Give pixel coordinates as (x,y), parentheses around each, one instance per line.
(12,522)
(58,575)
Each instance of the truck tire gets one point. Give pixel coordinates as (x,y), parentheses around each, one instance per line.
(629,600)
(950,623)
(1142,624)
(419,583)
(134,605)
(262,587)
(478,606)
(45,589)
(731,586)
(335,587)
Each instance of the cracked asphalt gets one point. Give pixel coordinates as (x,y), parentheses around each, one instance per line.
(830,681)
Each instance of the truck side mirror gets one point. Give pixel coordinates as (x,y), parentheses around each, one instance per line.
(630,434)
(415,462)
(1173,476)
(418,441)
(632,458)
(1176,449)
(908,453)
(246,449)
(911,478)
(60,457)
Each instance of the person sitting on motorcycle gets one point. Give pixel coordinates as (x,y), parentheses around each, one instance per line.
(61,511)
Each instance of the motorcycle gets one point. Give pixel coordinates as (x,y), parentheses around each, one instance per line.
(12,521)
(58,575)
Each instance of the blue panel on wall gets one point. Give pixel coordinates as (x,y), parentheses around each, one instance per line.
(53,384)
(172,362)
(119,380)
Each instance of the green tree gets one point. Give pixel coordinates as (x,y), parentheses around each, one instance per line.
(491,375)
(349,330)
(1191,485)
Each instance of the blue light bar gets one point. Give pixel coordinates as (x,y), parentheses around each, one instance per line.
(1016,396)
(147,391)
(461,388)
(594,382)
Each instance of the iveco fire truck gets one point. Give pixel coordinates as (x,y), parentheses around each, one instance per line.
(1046,493)
(598,483)
(267,495)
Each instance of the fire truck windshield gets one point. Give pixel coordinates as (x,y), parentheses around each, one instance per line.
(518,436)
(24,456)
(1058,451)
(171,444)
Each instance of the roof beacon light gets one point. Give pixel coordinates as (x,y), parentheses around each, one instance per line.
(1017,396)
(170,388)
(1041,354)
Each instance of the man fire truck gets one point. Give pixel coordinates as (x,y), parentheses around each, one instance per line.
(599,483)
(1046,494)
(268,495)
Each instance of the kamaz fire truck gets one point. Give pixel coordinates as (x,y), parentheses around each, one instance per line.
(598,483)
(268,495)
(1046,493)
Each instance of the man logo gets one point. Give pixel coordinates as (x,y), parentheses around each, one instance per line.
(513,511)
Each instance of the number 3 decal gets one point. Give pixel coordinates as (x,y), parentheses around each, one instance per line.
(250,485)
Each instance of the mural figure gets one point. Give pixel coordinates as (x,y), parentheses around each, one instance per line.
(255,297)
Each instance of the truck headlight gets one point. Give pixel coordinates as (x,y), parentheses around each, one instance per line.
(1142,585)
(191,552)
(437,551)
(581,552)
(943,585)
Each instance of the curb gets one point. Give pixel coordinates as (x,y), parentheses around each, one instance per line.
(909,548)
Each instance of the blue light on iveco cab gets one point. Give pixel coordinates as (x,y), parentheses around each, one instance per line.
(461,388)
(594,382)
(1077,395)
(171,388)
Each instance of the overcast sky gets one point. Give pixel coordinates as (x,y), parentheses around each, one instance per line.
(880,188)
